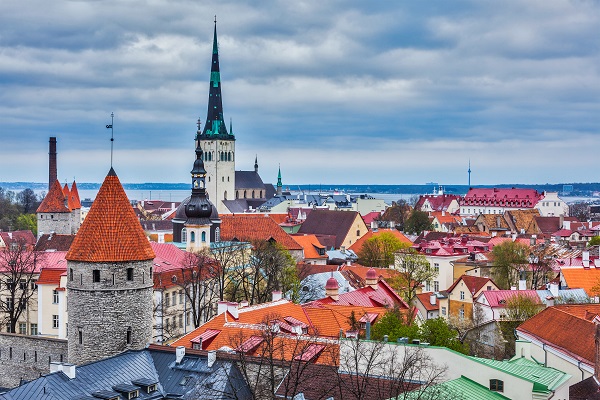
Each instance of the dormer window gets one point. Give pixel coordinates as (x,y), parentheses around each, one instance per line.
(496,385)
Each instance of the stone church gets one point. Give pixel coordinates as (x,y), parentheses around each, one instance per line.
(230,190)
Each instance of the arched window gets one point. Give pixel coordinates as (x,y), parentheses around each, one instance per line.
(193,237)
(260,194)
(244,194)
(225,195)
(203,236)
(183,235)
(253,194)
(229,156)
(237,194)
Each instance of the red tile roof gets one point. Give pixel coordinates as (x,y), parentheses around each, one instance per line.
(383,296)
(521,198)
(311,244)
(557,326)
(25,237)
(499,298)
(425,299)
(55,242)
(437,202)
(54,202)
(50,276)
(250,227)
(111,232)
(75,196)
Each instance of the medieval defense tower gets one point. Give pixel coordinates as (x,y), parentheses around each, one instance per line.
(218,145)
(109,282)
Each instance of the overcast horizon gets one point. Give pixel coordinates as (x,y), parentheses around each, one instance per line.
(341,91)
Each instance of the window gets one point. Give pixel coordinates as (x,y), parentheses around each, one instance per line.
(55,322)
(183,235)
(461,312)
(80,335)
(167,300)
(181,320)
(71,274)
(23,328)
(10,304)
(129,335)
(174,298)
(358,232)
(96,275)
(436,267)
(181,297)
(443,310)
(55,297)
(192,237)
(217,234)
(496,385)
(187,318)
(129,274)
(8,328)
(33,329)
(489,288)
(462,295)
(204,236)
(436,286)
(428,286)
(23,284)
(167,323)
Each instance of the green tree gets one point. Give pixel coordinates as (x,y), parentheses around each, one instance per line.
(595,241)
(418,222)
(414,270)
(521,307)
(395,324)
(378,251)
(27,222)
(437,332)
(509,259)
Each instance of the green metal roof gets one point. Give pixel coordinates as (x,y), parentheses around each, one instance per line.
(544,378)
(461,388)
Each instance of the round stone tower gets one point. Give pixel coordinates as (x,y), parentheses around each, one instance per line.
(109,279)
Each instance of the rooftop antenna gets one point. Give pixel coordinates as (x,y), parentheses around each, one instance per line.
(112,139)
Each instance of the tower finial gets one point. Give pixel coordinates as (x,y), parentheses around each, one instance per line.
(469,173)
(112,117)
(256,164)
(215,19)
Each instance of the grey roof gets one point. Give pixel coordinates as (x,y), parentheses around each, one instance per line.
(313,286)
(248,180)
(270,190)
(138,369)
(565,296)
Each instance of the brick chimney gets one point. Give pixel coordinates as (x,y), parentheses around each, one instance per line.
(52,171)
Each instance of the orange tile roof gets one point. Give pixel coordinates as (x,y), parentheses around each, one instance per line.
(249,227)
(50,276)
(359,243)
(556,326)
(582,278)
(279,218)
(310,243)
(111,231)
(54,202)
(328,319)
(74,200)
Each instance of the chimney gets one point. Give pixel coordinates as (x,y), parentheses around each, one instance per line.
(432,299)
(276,295)
(221,307)
(522,284)
(523,348)
(567,225)
(179,354)
(549,301)
(243,303)
(212,357)
(561,221)
(52,175)
(554,289)
(232,308)
(66,368)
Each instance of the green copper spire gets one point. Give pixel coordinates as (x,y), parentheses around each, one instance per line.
(215,126)
(279,177)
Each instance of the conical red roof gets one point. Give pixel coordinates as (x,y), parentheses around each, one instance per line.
(75,197)
(110,232)
(54,202)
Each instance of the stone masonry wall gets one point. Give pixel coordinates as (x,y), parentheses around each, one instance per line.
(60,223)
(101,313)
(26,357)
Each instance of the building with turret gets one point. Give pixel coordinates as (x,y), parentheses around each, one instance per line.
(60,211)
(109,280)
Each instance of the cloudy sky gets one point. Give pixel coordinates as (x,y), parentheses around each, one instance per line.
(346,92)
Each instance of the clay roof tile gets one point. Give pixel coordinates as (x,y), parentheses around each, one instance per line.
(111,231)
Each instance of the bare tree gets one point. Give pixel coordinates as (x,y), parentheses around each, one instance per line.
(541,258)
(19,268)
(232,259)
(370,369)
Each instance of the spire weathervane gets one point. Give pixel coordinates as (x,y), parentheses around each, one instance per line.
(112,139)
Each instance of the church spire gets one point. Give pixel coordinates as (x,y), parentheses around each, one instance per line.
(215,125)
(279,184)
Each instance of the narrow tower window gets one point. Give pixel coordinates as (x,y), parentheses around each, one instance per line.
(128,335)
(96,275)
(129,274)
